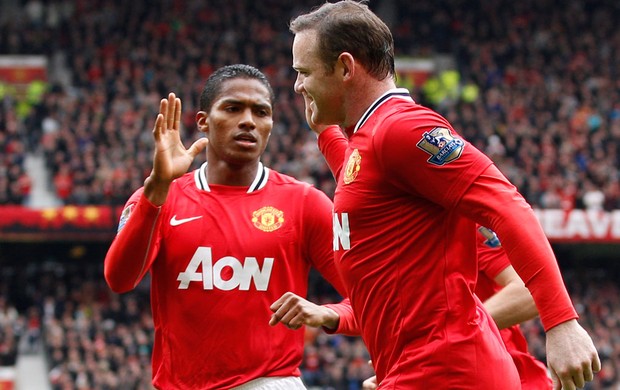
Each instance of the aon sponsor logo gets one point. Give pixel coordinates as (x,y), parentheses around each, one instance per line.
(212,274)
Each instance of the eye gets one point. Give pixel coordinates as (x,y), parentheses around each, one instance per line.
(262,113)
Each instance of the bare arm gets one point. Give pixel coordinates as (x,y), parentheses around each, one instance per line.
(513,304)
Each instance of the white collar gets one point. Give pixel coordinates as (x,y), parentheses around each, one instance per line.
(401,93)
(262,174)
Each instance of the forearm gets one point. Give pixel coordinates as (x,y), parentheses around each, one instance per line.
(333,145)
(134,248)
(510,306)
(526,245)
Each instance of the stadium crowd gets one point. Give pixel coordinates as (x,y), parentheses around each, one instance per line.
(95,339)
(546,108)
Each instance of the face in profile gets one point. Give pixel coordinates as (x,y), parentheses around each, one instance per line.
(321,89)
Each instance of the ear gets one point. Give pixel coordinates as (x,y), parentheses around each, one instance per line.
(201,121)
(346,65)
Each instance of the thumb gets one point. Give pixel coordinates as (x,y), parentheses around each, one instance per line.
(557,384)
(197,147)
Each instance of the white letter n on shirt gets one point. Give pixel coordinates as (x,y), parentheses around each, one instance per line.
(341,232)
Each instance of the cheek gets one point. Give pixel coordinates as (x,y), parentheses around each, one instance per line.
(265,131)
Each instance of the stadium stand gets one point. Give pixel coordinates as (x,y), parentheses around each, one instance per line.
(533,84)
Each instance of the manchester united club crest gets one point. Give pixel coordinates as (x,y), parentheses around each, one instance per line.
(441,145)
(268,218)
(353,167)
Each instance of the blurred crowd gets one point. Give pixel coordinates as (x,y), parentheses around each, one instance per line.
(95,339)
(546,105)
(546,110)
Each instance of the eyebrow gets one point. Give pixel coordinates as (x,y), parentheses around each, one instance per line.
(244,103)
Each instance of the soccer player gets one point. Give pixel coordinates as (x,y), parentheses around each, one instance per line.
(505,297)
(509,303)
(222,243)
(409,193)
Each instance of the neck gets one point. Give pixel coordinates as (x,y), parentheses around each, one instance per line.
(363,96)
(223,173)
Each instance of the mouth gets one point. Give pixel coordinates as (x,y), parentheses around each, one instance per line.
(245,139)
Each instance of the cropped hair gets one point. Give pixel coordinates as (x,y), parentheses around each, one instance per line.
(213,85)
(350,26)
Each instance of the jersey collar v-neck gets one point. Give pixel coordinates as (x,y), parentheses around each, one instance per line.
(396,92)
(262,175)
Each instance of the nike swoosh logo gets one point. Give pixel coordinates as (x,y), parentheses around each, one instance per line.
(176,222)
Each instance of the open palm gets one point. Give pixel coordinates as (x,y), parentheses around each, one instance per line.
(171,160)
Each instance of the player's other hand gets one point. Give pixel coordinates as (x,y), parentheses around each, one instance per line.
(294,311)
(370,383)
(571,356)
(315,127)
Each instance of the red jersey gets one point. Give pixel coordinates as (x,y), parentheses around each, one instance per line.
(407,252)
(219,256)
(491,261)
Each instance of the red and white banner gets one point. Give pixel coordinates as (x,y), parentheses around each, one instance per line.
(580,225)
(100,222)
(17,69)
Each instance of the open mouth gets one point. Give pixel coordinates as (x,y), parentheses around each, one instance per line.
(246,139)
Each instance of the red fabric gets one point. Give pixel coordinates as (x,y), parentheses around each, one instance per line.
(218,259)
(408,256)
(533,373)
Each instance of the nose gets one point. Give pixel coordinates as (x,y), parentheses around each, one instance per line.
(246,119)
(299,84)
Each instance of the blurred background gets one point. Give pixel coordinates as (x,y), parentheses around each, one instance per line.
(533,84)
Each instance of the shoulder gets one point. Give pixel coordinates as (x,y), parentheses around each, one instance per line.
(291,185)
(406,115)
(282,179)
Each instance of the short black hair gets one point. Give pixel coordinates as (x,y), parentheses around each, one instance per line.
(214,83)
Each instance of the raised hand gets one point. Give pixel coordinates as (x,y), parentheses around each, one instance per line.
(170,160)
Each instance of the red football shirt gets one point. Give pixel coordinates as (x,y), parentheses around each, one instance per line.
(407,250)
(219,256)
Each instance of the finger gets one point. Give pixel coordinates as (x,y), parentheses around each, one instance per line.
(277,304)
(568,383)
(588,375)
(170,113)
(280,310)
(196,148)
(578,380)
(286,315)
(557,385)
(159,124)
(163,107)
(273,321)
(596,364)
(297,321)
(177,114)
